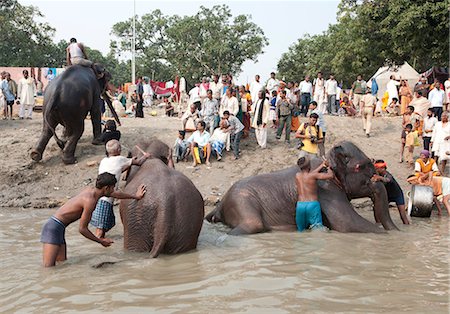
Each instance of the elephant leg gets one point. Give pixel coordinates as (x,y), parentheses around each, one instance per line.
(74,132)
(160,231)
(338,213)
(381,206)
(96,119)
(251,222)
(36,153)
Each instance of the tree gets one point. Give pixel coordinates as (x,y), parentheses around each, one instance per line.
(23,40)
(371,33)
(210,42)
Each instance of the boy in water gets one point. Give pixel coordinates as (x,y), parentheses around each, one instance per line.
(79,207)
(308,213)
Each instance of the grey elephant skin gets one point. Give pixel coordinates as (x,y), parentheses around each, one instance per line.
(67,101)
(267,202)
(169,218)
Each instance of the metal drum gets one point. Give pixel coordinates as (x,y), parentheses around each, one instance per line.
(420,201)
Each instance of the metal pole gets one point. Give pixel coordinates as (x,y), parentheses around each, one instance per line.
(133,47)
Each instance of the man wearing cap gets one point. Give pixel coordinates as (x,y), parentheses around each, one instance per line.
(393,189)
(425,164)
(367,103)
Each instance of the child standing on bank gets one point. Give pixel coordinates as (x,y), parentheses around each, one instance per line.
(409,145)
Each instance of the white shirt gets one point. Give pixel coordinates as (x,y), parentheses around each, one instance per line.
(147,90)
(447,87)
(255,87)
(392,89)
(436,97)
(338,93)
(331,87)
(229,103)
(200,138)
(272,84)
(305,87)
(216,89)
(26,91)
(219,135)
(319,84)
(428,124)
(194,94)
(113,165)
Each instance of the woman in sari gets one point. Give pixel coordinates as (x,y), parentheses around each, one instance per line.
(405,96)
(244,109)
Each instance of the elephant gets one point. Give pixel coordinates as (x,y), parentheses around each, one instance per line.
(67,101)
(169,218)
(267,202)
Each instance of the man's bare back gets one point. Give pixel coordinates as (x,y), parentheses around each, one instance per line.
(306,181)
(73,209)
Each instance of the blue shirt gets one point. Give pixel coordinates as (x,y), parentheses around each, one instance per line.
(6,91)
(374,87)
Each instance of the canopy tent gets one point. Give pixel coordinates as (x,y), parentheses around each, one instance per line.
(436,73)
(382,76)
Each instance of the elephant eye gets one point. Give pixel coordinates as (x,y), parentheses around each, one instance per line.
(347,159)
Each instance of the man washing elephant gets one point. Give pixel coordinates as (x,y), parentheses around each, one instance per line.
(308,213)
(80,207)
(103,216)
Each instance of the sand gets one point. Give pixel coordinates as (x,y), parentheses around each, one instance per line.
(49,183)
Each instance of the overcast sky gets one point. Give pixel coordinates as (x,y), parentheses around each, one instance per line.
(283,22)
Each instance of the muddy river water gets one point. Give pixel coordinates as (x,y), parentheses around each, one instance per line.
(318,271)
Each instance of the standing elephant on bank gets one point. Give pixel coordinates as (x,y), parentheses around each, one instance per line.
(67,101)
(267,202)
(169,218)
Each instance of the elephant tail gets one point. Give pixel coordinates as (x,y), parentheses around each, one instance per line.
(48,108)
(215,215)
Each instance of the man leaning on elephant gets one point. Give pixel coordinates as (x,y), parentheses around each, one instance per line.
(103,216)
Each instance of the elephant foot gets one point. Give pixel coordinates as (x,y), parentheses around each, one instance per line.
(96,141)
(69,160)
(35,155)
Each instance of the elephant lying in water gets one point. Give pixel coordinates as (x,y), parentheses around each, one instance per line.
(267,202)
(169,218)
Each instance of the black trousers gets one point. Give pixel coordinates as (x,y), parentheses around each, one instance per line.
(140,108)
(426,143)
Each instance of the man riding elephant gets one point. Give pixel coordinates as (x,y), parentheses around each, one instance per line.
(67,101)
(169,218)
(267,202)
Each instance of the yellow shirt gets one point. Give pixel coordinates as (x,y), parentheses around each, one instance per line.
(310,131)
(409,139)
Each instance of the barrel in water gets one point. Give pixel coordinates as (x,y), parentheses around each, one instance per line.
(420,201)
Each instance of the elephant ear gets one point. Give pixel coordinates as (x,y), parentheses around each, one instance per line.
(337,157)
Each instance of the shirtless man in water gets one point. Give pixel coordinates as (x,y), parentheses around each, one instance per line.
(308,213)
(79,207)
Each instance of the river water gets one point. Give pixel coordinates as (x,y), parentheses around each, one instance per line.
(318,271)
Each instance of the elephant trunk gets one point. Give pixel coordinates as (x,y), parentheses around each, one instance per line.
(381,206)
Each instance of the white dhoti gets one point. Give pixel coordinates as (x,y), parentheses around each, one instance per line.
(147,100)
(261,136)
(26,110)
(320,99)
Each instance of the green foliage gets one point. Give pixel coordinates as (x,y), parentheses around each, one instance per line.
(23,40)
(371,33)
(210,42)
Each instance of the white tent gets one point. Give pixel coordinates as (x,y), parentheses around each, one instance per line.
(382,76)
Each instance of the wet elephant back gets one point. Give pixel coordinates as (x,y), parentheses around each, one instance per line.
(271,196)
(171,200)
